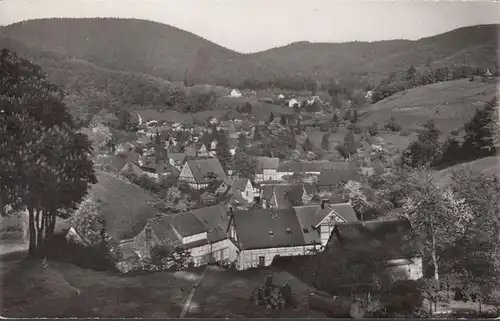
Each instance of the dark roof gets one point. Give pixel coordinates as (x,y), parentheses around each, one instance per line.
(164,231)
(345,211)
(215,220)
(276,195)
(202,167)
(335,177)
(266,163)
(254,227)
(178,157)
(186,224)
(386,237)
(238,184)
(312,166)
(125,207)
(309,216)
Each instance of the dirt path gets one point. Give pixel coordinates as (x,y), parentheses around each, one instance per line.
(189,299)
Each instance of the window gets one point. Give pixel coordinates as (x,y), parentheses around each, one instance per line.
(305,230)
(148,235)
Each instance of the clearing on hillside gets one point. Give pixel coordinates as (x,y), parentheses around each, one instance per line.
(487,166)
(450,104)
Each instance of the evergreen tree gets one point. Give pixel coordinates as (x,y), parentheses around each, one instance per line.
(325,142)
(451,153)
(222,149)
(242,141)
(481,132)
(257,136)
(335,119)
(271,117)
(373,129)
(350,147)
(244,166)
(283,119)
(308,146)
(425,151)
(347,115)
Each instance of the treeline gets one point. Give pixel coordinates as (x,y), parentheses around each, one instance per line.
(414,77)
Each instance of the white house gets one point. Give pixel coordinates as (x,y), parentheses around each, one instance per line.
(281,96)
(198,173)
(243,187)
(235,93)
(202,232)
(293,102)
(266,169)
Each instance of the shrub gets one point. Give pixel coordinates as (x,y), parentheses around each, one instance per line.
(405,132)
(164,258)
(392,125)
(324,127)
(373,129)
(404,297)
(357,130)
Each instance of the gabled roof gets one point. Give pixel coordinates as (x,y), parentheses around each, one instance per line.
(335,177)
(186,224)
(202,167)
(345,211)
(275,194)
(177,157)
(266,163)
(215,220)
(238,184)
(386,237)
(309,216)
(263,228)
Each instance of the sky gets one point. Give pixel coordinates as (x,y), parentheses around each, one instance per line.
(255,25)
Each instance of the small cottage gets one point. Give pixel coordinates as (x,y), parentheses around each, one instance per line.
(262,234)
(392,241)
(198,173)
(235,93)
(266,169)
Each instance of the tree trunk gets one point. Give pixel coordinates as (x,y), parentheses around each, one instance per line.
(32,231)
(434,256)
(40,224)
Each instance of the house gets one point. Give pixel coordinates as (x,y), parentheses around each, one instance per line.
(213,144)
(293,103)
(281,96)
(262,234)
(124,148)
(241,186)
(112,163)
(235,93)
(274,195)
(312,100)
(392,241)
(196,150)
(202,232)
(330,180)
(318,221)
(198,173)
(266,168)
(177,160)
(290,168)
(208,199)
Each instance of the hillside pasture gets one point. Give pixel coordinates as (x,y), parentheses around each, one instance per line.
(486,166)
(260,110)
(450,104)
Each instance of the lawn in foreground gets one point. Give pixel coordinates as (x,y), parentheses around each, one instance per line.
(65,290)
(226,293)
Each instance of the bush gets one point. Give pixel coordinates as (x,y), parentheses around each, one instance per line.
(373,129)
(405,132)
(357,130)
(163,258)
(404,297)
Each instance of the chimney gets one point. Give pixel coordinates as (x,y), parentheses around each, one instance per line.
(324,202)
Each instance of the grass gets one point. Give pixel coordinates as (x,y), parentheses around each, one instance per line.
(487,166)
(29,291)
(227,294)
(450,104)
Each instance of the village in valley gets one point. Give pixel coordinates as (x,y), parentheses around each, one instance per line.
(296,196)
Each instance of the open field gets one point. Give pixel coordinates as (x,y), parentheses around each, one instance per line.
(487,166)
(225,293)
(450,104)
(65,290)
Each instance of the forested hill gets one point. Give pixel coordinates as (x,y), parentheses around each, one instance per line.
(167,52)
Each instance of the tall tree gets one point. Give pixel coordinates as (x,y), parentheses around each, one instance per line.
(244,166)
(283,119)
(481,132)
(439,216)
(426,150)
(325,142)
(271,117)
(350,147)
(222,150)
(44,163)
(308,146)
(354,116)
(242,141)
